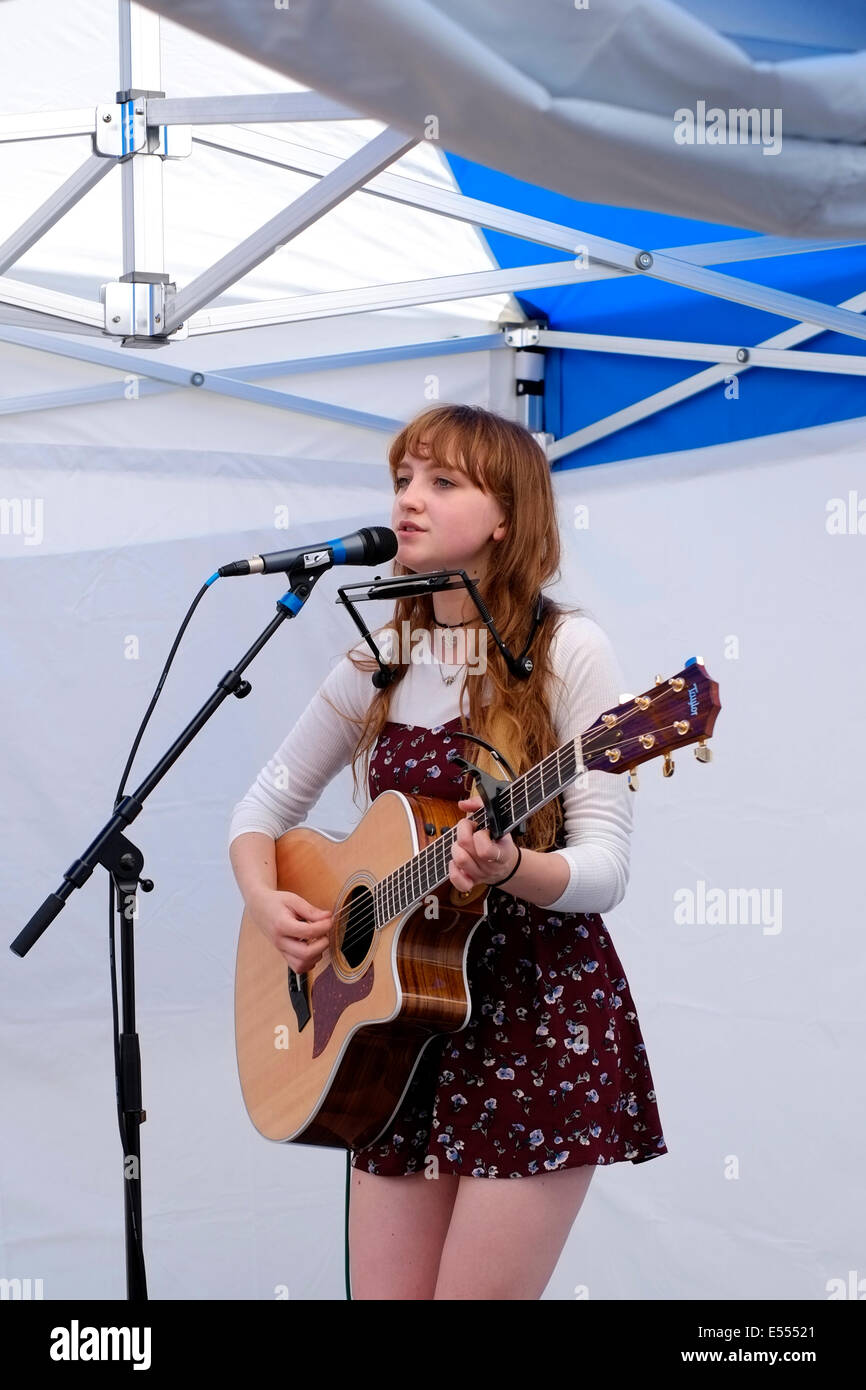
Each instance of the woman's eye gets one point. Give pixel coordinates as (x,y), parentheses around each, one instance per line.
(398,481)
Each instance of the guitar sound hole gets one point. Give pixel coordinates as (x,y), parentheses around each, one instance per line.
(358,930)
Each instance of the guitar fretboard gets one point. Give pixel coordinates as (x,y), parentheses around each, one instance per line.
(408,884)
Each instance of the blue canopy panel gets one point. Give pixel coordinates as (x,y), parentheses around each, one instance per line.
(776,30)
(582,387)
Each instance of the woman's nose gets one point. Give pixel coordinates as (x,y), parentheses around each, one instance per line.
(409,491)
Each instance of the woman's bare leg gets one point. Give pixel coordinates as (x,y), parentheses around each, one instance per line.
(506,1234)
(397,1226)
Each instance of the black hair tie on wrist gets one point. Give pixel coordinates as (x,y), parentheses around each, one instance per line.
(500,882)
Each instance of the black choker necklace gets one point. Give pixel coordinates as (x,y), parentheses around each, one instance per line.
(463,624)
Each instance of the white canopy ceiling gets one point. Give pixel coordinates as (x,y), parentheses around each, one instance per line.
(331,367)
(345,217)
(581,98)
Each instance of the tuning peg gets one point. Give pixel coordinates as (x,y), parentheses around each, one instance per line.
(660,680)
(632,779)
(668,765)
(623,698)
(702,752)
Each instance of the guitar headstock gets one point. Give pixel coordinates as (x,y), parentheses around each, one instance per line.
(670,715)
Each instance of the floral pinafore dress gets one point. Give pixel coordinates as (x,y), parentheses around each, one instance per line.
(551,1070)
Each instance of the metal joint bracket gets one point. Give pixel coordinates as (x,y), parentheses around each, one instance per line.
(122,130)
(523,337)
(544,438)
(529,363)
(172,142)
(137,307)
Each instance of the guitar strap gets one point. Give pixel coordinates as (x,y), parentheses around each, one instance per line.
(484,785)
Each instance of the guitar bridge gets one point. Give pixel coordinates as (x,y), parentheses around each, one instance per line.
(299,997)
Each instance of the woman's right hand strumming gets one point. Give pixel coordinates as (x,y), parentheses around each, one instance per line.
(297,929)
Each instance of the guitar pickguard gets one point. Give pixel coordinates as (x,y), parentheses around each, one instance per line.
(331,996)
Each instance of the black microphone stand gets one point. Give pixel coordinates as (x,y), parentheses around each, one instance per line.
(124,862)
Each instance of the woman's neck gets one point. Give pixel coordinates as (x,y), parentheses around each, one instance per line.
(456,607)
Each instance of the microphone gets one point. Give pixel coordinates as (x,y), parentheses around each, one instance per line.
(372,545)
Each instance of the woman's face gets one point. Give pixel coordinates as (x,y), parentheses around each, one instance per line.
(455,519)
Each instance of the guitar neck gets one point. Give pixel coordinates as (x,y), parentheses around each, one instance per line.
(522,797)
(671,714)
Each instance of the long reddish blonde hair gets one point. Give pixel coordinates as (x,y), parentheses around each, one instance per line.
(502,458)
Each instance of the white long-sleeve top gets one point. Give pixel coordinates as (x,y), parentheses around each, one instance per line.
(598,805)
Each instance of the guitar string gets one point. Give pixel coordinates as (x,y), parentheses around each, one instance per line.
(534,778)
(363,923)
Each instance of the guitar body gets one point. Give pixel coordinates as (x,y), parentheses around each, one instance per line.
(326,1058)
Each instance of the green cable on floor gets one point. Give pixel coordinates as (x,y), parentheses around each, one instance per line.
(348,1194)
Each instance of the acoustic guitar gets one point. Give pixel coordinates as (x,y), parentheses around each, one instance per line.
(325,1058)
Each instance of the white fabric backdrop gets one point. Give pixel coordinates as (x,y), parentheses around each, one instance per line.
(755,1036)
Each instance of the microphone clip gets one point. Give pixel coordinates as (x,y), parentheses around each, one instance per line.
(301,585)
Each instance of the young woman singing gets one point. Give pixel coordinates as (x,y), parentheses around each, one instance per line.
(473,1188)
